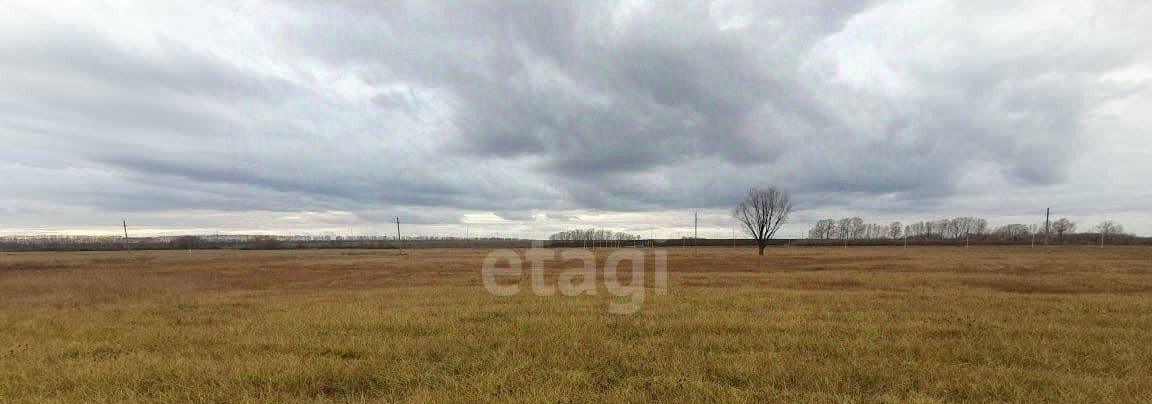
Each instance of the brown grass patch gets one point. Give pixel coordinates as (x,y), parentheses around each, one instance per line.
(869,324)
(6,266)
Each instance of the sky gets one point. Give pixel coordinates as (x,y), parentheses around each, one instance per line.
(529,117)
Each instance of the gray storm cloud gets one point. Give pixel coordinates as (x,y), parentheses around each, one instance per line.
(511,107)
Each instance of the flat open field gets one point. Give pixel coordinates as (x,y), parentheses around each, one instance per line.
(800,324)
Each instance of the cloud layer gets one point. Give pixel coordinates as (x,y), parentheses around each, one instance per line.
(320,115)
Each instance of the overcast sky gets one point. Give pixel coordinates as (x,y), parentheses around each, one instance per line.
(534,116)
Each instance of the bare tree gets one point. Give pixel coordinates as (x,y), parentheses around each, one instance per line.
(895,230)
(1108,227)
(1013,231)
(979,226)
(823,230)
(844,228)
(858,227)
(762,213)
(1063,226)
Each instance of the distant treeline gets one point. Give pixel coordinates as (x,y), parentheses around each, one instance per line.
(592,238)
(242,242)
(849,231)
(593,234)
(1059,231)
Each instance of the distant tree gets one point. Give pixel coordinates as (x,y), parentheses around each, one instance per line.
(941,228)
(1062,227)
(956,228)
(858,228)
(894,230)
(979,226)
(1012,231)
(823,230)
(844,228)
(186,242)
(1109,227)
(263,243)
(851,228)
(762,213)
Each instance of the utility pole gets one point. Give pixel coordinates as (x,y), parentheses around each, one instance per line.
(695,230)
(398,238)
(1047,226)
(127,243)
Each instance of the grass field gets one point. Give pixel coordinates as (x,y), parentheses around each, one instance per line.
(800,324)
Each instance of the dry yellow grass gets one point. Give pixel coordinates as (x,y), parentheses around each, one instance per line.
(801,324)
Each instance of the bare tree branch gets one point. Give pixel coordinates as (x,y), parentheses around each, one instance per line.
(762,213)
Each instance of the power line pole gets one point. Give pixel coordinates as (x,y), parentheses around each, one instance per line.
(127,243)
(1047,226)
(695,230)
(399,239)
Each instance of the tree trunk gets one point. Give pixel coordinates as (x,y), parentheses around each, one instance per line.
(762,245)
